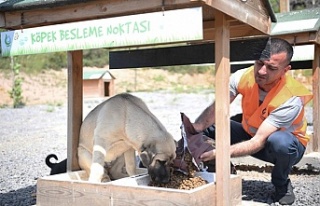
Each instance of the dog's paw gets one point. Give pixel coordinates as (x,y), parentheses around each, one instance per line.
(96,173)
(106,179)
(94,180)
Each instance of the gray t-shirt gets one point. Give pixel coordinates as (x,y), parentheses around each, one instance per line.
(281,117)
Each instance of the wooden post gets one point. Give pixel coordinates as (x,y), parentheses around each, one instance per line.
(75,71)
(222,104)
(316,99)
(284,6)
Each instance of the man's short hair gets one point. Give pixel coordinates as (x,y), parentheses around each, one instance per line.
(276,46)
(280,45)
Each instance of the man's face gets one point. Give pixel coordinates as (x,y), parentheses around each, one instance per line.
(268,72)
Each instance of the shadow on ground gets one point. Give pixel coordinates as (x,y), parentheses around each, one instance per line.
(256,190)
(24,197)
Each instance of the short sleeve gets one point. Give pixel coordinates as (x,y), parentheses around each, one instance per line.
(285,114)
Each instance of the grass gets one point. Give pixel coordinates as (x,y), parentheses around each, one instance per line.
(51,106)
(2,106)
(159,78)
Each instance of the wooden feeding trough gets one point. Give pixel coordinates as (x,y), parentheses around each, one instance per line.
(220,21)
(73,189)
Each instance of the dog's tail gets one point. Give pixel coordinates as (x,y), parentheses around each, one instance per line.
(48,162)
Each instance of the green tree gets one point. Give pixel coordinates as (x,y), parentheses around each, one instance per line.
(96,57)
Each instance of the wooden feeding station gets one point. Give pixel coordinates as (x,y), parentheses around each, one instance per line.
(127,25)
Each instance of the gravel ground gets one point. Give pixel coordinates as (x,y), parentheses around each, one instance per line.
(29,134)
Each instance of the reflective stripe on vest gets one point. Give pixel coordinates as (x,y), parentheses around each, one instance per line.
(254,114)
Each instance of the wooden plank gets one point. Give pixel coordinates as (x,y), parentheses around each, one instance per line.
(89,10)
(73,189)
(222,102)
(148,196)
(316,100)
(247,14)
(54,193)
(75,71)
(237,31)
(284,6)
(301,38)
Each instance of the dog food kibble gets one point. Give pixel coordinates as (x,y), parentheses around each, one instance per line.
(181,181)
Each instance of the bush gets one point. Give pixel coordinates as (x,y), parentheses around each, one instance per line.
(16,91)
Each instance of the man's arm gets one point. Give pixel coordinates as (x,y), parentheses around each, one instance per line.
(207,117)
(255,144)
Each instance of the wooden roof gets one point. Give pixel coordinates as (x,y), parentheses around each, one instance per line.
(12,5)
(247,18)
(298,27)
(97,74)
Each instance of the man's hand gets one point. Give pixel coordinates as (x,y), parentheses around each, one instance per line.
(210,155)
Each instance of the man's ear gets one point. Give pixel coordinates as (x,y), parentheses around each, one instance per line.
(288,68)
(145,158)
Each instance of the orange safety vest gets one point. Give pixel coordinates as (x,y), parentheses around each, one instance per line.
(254,114)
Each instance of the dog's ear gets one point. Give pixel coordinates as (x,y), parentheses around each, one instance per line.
(145,158)
(146,154)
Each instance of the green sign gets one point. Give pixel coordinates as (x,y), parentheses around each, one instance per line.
(142,29)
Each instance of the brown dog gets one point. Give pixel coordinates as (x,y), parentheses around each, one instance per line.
(112,133)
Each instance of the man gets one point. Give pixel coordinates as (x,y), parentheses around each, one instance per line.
(273,126)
